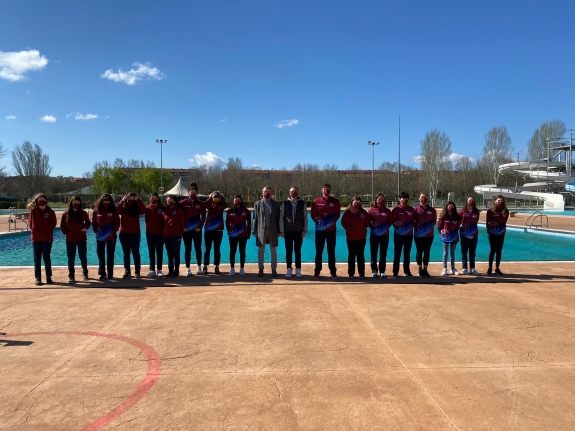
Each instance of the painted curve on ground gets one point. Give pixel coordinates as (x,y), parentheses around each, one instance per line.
(154,369)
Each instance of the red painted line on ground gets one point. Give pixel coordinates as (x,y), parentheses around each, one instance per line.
(154,369)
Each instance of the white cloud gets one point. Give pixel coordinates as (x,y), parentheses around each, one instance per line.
(286,123)
(11,117)
(208,159)
(48,119)
(223,121)
(256,167)
(15,65)
(453,157)
(137,73)
(28,93)
(85,117)
(106,117)
(417,160)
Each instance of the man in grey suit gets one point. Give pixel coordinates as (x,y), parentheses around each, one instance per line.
(266,229)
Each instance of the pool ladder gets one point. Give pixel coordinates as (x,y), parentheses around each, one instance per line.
(533,219)
(14,218)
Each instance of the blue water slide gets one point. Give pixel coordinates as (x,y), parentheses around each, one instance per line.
(570,187)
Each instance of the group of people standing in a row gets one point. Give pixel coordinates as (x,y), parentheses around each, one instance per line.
(168,223)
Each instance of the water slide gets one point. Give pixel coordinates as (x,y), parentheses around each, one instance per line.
(549,176)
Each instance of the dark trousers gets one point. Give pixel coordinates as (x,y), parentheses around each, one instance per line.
(234,241)
(215,237)
(356,250)
(423,246)
(131,244)
(105,251)
(195,237)
(378,244)
(173,245)
(401,242)
(155,250)
(293,242)
(468,244)
(321,237)
(82,248)
(495,248)
(42,250)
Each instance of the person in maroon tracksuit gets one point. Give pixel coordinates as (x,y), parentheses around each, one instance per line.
(105,224)
(154,235)
(74,224)
(214,230)
(239,226)
(380,222)
(448,226)
(325,211)
(195,214)
(41,221)
(496,224)
(130,209)
(174,223)
(425,219)
(402,218)
(355,221)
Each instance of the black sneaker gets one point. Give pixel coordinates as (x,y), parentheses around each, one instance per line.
(351,276)
(127,274)
(110,277)
(274,273)
(408,274)
(334,276)
(137,274)
(71,279)
(361,277)
(85,276)
(426,273)
(103,277)
(498,271)
(261,273)
(395,274)
(489,271)
(205,270)
(38,282)
(421,272)
(49,280)
(217,270)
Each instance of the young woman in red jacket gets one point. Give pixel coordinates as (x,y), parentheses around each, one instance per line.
(41,221)
(130,209)
(448,226)
(174,223)
(496,224)
(214,230)
(105,224)
(74,224)
(355,221)
(239,226)
(154,234)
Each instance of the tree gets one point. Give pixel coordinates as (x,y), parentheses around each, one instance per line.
(465,168)
(32,165)
(497,150)
(537,145)
(109,180)
(147,180)
(2,170)
(434,153)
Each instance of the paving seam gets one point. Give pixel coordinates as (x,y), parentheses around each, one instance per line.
(398,360)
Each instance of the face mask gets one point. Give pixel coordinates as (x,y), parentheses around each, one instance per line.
(237,202)
(450,209)
(267,195)
(192,196)
(170,204)
(293,195)
(326,192)
(76,206)
(422,201)
(130,203)
(42,203)
(470,203)
(106,204)
(499,204)
(379,202)
(154,202)
(356,205)
(403,202)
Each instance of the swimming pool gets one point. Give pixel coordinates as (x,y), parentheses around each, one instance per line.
(16,250)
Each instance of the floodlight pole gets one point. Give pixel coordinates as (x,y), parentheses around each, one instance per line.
(161,142)
(373,144)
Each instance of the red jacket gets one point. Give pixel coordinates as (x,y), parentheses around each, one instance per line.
(325,213)
(42,224)
(215,218)
(105,225)
(449,229)
(129,223)
(402,218)
(174,221)
(154,219)
(73,230)
(355,224)
(496,222)
(194,213)
(238,222)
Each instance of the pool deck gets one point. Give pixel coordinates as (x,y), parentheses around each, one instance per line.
(230,353)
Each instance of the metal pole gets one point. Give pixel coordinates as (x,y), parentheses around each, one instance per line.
(161,142)
(373,144)
(399,156)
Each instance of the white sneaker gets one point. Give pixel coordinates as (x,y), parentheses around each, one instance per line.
(298,272)
(474,272)
(199,270)
(151,274)
(242,272)
(288,273)
(465,271)
(189,272)
(444,272)
(160,274)
(382,275)
(232,271)
(454,271)
(374,275)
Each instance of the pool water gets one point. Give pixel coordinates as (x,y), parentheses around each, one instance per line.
(16,250)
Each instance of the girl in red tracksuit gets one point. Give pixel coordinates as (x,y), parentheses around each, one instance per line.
(379,222)
(195,214)
(355,221)
(402,219)
(105,224)
(154,234)
(74,224)
(496,224)
(239,226)
(129,209)
(174,223)
(214,230)
(448,226)
(41,221)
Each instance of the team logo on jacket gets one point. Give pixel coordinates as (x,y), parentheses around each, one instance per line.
(408,213)
(361,216)
(243,214)
(429,212)
(197,207)
(174,213)
(46,215)
(331,204)
(159,211)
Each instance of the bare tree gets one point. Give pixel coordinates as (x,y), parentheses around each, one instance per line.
(466,170)
(32,165)
(497,150)
(2,170)
(537,145)
(434,152)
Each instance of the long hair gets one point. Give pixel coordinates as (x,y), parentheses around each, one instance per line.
(374,203)
(235,208)
(355,198)
(454,216)
(34,203)
(131,210)
(503,207)
(475,210)
(72,215)
(175,198)
(156,195)
(99,206)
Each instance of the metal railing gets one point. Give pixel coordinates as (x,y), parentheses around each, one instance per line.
(531,221)
(13,220)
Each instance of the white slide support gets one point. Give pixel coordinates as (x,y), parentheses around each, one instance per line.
(551,201)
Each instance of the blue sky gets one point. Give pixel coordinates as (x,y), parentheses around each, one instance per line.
(219,77)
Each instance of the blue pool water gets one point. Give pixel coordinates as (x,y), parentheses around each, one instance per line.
(16,250)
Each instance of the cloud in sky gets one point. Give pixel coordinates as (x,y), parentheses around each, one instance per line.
(208,159)
(15,65)
(48,119)
(453,157)
(11,117)
(223,121)
(138,72)
(256,167)
(286,123)
(85,117)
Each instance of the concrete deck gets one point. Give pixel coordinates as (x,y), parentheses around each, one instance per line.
(230,353)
